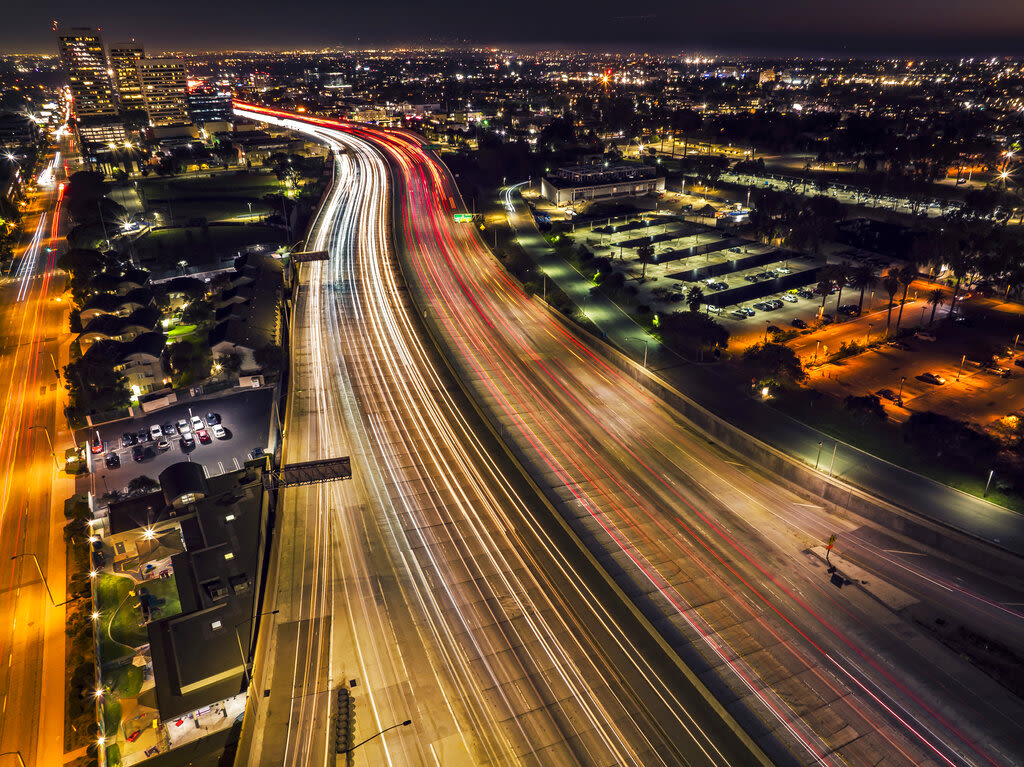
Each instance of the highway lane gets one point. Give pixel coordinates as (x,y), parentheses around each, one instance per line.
(32,325)
(427,579)
(617,456)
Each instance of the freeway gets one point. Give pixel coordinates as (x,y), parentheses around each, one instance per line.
(722,559)
(427,583)
(32,329)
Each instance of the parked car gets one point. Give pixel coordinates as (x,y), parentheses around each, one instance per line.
(197,423)
(850,310)
(805,293)
(997,370)
(163,444)
(799,323)
(775,303)
(183,426)
(155,432)
(256,452)
(138,453)
(212,418)
(750,312)
(169,430)
(186,442)
(204,436)
(783,270)
(738,314)
(789,298)
(128,439)
(218,431)
(751,277)
(112,460)
(932,378)
(142,435)
(890,395)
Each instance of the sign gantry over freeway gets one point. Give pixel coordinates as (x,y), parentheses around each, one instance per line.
(309,473)
(309,255)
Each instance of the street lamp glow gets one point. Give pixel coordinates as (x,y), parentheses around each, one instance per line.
(95,616)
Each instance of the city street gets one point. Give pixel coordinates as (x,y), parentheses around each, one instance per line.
(614,484)
(429,579)
(34,338)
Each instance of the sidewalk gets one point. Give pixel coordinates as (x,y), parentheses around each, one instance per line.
(705,386)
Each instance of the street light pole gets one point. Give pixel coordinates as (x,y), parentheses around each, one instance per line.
(244,656)
(406,723)
(900,394)
(49,442)
(45,582)
(963,359)
(816,460)
(21,759)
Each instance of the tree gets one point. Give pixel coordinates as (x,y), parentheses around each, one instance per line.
(645,255)
(936,298)
(905,275)
(824,287)
(270,357)
(187,361)
(93,384)
(230,363)
(862,277)
(891,283)
(141,485)
(694,298)
(838,273)
(773,363)
(693,332)
(868,406)
(198,312)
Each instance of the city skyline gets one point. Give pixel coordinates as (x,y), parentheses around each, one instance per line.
(941,28)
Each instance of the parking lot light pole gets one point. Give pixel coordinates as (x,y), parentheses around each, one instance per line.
(899,396)
(961,370)
(818,459)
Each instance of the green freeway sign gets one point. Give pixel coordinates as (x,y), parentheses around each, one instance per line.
(463,218)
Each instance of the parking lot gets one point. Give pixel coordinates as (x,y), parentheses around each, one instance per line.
(244,416)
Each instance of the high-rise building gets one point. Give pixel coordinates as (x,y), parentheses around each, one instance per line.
(124,59)
(210,103)
(85,61)
(164,87)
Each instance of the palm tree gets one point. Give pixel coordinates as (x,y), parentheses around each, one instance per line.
(906,276)
(862,277)
(891,284)
(839,273)
(645,255)
(936,298)
(824,288)
(694,298)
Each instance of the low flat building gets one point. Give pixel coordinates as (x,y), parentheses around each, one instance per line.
(600,181)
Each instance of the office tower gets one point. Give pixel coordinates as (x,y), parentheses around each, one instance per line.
(164,87)
(85,61)
(210,103)
(124,61)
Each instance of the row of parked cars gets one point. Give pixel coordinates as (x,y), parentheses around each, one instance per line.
(158,436)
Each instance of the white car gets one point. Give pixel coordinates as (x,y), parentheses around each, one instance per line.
(218,431)
(789,298)
(156,433)
(197,423)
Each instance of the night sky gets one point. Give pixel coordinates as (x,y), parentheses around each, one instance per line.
(850,27)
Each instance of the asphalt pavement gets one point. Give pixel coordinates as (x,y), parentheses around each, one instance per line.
(702,384)
(245,416)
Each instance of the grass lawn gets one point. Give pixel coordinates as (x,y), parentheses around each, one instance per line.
(120,632)
(230,184)
(885,440)
(164,248)
(167,590)
(180,330)
(111,717)
(125,681)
